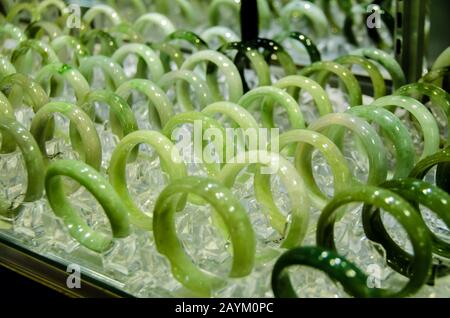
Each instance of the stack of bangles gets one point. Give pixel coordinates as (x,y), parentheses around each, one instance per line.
(395,163)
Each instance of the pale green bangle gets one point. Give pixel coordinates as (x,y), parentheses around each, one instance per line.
(199,87)
(68,73)
(16,9)
(103,192)
(124,32)
(232,214)
(88,144)
(226,66)
(108,44)
(43,5)
(6,68)
(168,53)
(8,144)
(294,231)
(98,9)
(428,124)
(371,141)
(318,94)
(66,42)
(275,96)
(378,83)
(24,63)
(189,37)
(150,58)
(388,62)
(114,74)
(307,9)
(37,29)
(346,76)
(235,112)
(13,31)
(307,141)
(33,163)
(154,19)
(171,163)
(224,34)
(156,96)
(214,10)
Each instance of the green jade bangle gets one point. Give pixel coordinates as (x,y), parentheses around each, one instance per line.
(378,83)
(339,269)
(198,86)
(108,44)
(225,65)
(15,10)
(103,192)
(346,76)
(223,34)
(305,9)
(88,144)
(171,163)
(403,212)
(308,44)
(168,53)
(275,96)
(7,144)
(416,192)
(68,73)
(72,46)
(24,61)
(371,141)
(113,72)
(6,68)
(388,62)
(13,32)
(428,124)
(33,163)
(99,9)
(436,76)
(38,29)
(156,96)
(44,5)
(230,211)
(125,33)
(235,112)
(437,96)
(189,37)
(293,231)
(214,10)
(147,55)
(443,61)
(154,19)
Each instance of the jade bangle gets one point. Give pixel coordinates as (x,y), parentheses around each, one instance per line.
(339,269)
(103,192)
(346,76)
(108,44)
(98,9)
(171,163)
(126,33)
(36,30)
(371,141)
(223,34)
(318,94)
(6,68)
(308,140)
(154,19)
(21,60)
(303,8)
(214,10)
(308,44)
(294,231)
(168,53)
(442,62)
(278,96)
(402,211)
(67,42)
(395,131)
(199,87)
(231,213)
(113,73)
(428,124)
(43,5)
(388,62)
(156,96)
(14,11)
(8,144)
(68,73)
(33,163)
(225,65)
(234,111)
(13,31)
(150,58)
(416,192)
(189,37)
(88,145)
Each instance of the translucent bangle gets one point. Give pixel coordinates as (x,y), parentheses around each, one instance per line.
(349,80)
(113,73)
(68,73)
(224,34)
(307,9)
(156,96)
(6,68)
(33,163)
(154,19)
(108,44)
(98,9)
(230,212)
(189,37)
(18,8)
(214,9)
(86,144)
(417,193)
(13,31)
(171,163)
(311,49)
(150,58)
(335,266)
(226,66)
(426,120)
(125,33)
(65,42)
(372,143)
(99,187)
(168,53)
(7,144)
(275,96)
(43,5)
(435,76)
(23,63)
(234,111)
(35,30)
(402,211)
(199,87)
(388,62)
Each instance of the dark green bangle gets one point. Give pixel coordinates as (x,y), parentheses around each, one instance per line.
(402,211)
(335,266)
(417,193)
(108,44)
(434,76)
(35,30)
(189,37)
(23,63)
(311,48)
